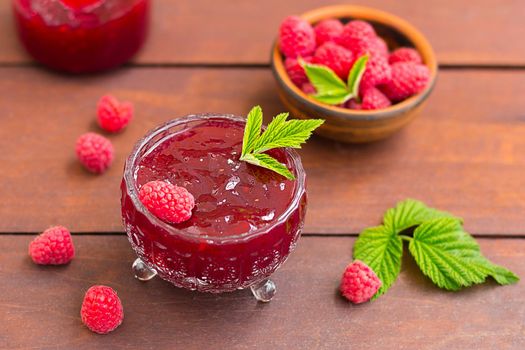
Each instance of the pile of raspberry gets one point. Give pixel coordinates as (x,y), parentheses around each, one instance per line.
(390,77)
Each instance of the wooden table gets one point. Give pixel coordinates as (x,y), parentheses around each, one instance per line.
(465,154)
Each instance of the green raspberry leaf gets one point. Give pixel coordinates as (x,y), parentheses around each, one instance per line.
(356,74)
(409,213)
(330,88)
(252,130)
(268,162)
(503,276)
(447,255)
(381,249)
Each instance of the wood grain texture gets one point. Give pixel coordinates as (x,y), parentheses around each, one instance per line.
(307,312)
(233,32)
(465,153)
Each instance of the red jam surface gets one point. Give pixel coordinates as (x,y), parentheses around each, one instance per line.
(81,36)
(245,221)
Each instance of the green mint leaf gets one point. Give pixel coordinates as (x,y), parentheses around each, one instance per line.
(279,133)
(291,133)
(356,73)
(268,162)
(381,249)
(252,130)
(330,88)
(447,255)
(333,99)
(409,213)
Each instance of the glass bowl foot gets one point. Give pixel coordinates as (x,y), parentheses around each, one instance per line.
(142,271)
(264,290)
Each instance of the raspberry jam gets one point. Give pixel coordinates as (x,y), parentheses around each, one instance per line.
(81,36)
(246,219)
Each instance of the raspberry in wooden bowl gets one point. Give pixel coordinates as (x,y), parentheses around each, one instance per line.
(380,71)
(245,220)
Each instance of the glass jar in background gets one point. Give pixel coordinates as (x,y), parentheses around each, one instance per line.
(82,36)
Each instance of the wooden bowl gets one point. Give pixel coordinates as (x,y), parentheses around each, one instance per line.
(357,126)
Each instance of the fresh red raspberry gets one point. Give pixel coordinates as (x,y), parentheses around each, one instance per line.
(356,30)
(408,78)
(113,115)
(296,37)
(95,152)
(353,104)
(359,282)
(405,54)
(374,99)
(377,72)
(296,71)
(328,30)
(335,57)
(308,88)
(101,310)
(52,247)
(168,202)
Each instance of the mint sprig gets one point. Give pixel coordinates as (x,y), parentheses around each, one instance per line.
(449,256)
(330,88)
(279,133)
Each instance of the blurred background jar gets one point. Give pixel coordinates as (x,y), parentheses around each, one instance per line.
(82,36)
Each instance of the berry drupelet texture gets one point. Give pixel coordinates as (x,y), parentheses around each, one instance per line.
(52,247)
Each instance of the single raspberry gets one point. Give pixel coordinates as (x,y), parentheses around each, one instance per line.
(335,57)
(357,30)
(405,54)
(168,202)
(359,282)
(374,99)
(377,72)
(52,247)
(101,309)
(296,37)
(308,88)
(296,71)
(113,115)
(328,30)
(95,152)
(408,78)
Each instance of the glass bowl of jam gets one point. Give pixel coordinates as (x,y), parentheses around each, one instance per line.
(246,219)
(82,36)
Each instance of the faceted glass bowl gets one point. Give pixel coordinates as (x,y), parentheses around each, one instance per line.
(208,263)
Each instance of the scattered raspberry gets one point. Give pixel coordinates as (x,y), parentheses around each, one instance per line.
(112,115)
(328,30)
(408,78)
(296,37)
(168,202)
(374,99)
(296,71)
(405,54)
(359,282)
(101,309)
(52,247)
(377,72)
(335,57)
(95,152)
(308,88)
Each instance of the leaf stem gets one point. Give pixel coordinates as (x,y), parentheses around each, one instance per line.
(406,238)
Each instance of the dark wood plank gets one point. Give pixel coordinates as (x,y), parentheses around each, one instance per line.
(464,154)
(307,312)
(200,31)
